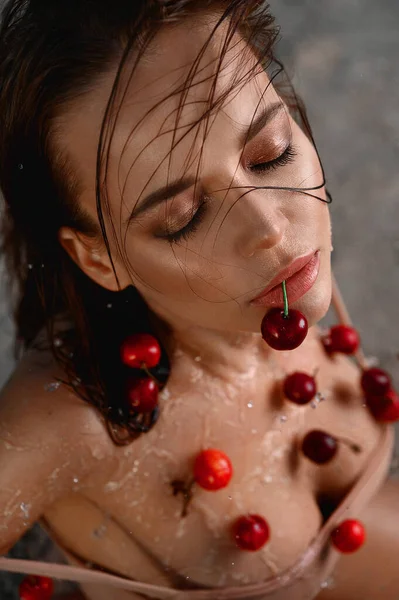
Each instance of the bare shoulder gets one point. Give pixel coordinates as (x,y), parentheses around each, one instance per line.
(48,438)
(33,395)
(36,408)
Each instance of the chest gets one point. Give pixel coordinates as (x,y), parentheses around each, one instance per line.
(261,432)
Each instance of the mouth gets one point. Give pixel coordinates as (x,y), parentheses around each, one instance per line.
(299,276)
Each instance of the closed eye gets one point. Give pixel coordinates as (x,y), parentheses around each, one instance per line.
(285,158)
(192,226)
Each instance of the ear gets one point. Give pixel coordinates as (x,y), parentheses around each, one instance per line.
(92,258)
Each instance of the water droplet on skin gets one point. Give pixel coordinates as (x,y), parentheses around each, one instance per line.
(25,510)
(283,419)
(111,486)
(254,431)
(198,359)
(52,387)
(75,480)
(320,397)
(327,584)
(230,497)
(313,404)
(250,405)
(232,564)
(268,479)
(165,394)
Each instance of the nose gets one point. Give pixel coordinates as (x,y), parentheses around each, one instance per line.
(263,230)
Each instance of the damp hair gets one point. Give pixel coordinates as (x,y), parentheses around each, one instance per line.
(51,53)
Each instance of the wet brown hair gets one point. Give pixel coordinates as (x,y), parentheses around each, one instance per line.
(50,54)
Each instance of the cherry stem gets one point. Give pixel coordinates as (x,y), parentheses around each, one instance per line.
(285,300)
(186,490)
(144,368)
(352,445)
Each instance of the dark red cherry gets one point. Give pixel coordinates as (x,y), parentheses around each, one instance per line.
(284,332)
(212,469)
(344,339)
(140,349)
(319,447)
(251,532)
(384,408)
(142,394)
(300,387)
(349,536)
(375,382)
(36,587)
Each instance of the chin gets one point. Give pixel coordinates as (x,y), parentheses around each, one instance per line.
(316,302)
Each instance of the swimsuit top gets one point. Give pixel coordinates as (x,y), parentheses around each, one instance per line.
(302,581)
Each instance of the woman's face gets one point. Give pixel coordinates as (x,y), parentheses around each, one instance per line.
(197,262)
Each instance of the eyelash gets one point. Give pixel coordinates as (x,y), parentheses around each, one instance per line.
(285,158)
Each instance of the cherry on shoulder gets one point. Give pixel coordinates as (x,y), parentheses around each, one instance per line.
(140,350)
(384,409)
(299,387)
(348,536)
(212,469)
(142,394)
(341,338)
(251,532)
(375,382)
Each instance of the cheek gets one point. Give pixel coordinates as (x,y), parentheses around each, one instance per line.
(174,272)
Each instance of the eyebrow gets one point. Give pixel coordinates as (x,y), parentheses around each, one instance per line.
(180,185)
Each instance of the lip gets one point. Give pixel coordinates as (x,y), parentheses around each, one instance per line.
(299,276)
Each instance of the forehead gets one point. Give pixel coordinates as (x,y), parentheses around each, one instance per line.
(156,132)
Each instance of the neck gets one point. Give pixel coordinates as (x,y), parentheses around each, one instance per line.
(221,353)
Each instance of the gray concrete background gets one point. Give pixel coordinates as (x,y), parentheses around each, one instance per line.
(343,55)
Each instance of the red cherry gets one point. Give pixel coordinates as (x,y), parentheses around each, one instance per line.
(140,349)
(284,332)
(384,408)
(212,469)
(142,394)
(375,382)
(300,387)
(36,587)
(344,339)
(251,532)
(349,536)
(319,447)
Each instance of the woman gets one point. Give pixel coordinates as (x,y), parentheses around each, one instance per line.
(164,205)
